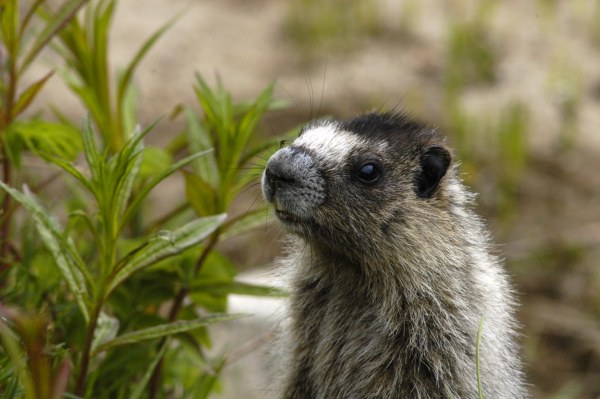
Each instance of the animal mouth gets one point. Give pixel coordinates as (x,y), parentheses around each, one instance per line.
(287,217)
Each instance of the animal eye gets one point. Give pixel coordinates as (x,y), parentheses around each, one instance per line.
(369,173)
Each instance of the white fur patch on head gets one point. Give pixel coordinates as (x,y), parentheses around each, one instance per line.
(328,140)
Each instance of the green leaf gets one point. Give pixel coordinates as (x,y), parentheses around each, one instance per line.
(248,122)
(216,269)
(205,385)
(90,150)
(106,330)
(133,144)
(63,251)
(12,348)
(97,76)
(239,288)
(129,169)
(155,161)
(9,26)
(164,245)
(272,144)
(141,385)
(43,138)
(141,195)
(246,222)
(29,94)
(200,140)
(70,168)
(200,194)
(164,330)
(125,81)
(55,24)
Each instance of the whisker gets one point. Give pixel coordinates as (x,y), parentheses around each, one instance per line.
(323,86)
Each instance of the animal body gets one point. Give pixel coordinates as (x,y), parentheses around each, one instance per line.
(392,272)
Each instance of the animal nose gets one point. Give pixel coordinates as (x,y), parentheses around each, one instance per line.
(280,173)
(286,173)
(292,181)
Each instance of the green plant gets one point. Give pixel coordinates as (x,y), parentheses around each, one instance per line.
(231,129)
(92,279)
(40,378)
(511,135)
(21,42)
(471,56)
(312,23)
(84,47)
(91,282)
(495,148)
(565,85)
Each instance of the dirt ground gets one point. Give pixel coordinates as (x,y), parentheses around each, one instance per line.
(547,51)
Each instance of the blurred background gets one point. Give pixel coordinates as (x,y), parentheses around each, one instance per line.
(514,85)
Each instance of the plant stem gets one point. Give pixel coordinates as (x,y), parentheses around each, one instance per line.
(6,219)
(87,351)
(5,225)
(154,384)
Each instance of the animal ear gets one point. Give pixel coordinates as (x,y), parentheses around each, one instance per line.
(434,164)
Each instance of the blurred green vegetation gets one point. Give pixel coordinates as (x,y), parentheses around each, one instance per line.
(313,24)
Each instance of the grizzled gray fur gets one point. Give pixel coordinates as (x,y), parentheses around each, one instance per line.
(392,272)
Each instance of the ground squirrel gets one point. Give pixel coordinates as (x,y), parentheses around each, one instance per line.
(392,271)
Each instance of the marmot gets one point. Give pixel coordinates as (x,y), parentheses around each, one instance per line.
(392,271)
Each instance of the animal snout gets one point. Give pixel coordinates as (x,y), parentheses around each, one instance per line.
(279,173)
(284,170)
(292,180)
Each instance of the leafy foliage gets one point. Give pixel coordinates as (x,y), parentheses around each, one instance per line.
(91,281)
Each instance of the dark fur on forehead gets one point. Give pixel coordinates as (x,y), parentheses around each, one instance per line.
(391,126)
(387,122)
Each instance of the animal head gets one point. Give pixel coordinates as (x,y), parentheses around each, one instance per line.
(351,184)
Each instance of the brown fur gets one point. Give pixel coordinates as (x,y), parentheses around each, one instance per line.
(390,279)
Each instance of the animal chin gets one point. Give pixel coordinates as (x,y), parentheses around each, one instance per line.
(292,222)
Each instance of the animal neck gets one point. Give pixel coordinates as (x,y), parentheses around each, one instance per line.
(428,314)
(402,288)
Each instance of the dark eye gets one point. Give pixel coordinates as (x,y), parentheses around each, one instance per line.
(369,173)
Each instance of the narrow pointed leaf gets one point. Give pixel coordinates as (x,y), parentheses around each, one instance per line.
(44,137)
(132,145)
(61,250)
(164,330)
(126,79)
(90,149)
(9,23)
(239,288)
(200,194)
(166,244)
(72,170)
(29,94)
(54,25)
(141,195)
(271,144)
(200,140)
(99,78)
(242,224)
(141,385)
(125,185)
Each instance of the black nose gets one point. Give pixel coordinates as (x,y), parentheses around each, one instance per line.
(279,174)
